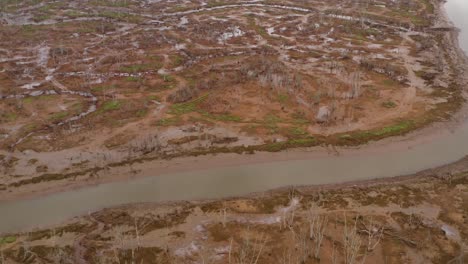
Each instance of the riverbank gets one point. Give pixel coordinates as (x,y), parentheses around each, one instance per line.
(227,161)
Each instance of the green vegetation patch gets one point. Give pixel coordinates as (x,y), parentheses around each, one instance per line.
(283,98)
(142,112)
(167,78)
(7,240)
(8,117)
(392,130)
(211,4)
(429,6)
(297,131)
(258,29)
(103,88)
(140,67)
(390,82)
(154,98)
(271,121)
(176,60)
(75,14)
(111,105)
(360,137)
(171,121)
(112,3)
(47,97)
(389,104)
(119,16)
(184,108)
(58,116)
(221,117)
(299,118)
(45,12)
(133,79)
(292,143)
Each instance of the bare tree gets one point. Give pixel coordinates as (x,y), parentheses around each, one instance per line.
(334,256)
(224,216)
(287,257)
(137,233)
(2,258)
(249,251)
(287,219)
(289,213)
(351,241)
(374,233)
(302,244)
(28,255)
(355,80)
(318,225)
(460,259)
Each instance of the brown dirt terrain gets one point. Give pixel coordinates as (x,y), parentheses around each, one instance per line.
(420,218)
(87,84)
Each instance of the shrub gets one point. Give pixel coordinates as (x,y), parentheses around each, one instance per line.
(182,95)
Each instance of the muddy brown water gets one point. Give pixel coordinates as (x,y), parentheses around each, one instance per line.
(21,215)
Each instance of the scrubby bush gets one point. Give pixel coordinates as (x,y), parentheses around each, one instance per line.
(182,95)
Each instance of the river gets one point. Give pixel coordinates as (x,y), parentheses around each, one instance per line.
(241,180)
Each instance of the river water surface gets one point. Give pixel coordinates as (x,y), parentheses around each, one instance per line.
(231,181)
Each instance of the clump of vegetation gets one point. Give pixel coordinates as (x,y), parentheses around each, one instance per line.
(59,116)
(7,240)
(221,117)
(133,79)
(182,95)
(399,128)
(176,60)
(298,131)
(139,68)
(8,117)
(171,121)
(283,98)
(167,78)
(125,17)
(187,107)
(111,105)
(292,143)
(111,3)
(389,104)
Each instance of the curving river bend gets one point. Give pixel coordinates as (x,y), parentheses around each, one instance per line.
(231,181)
